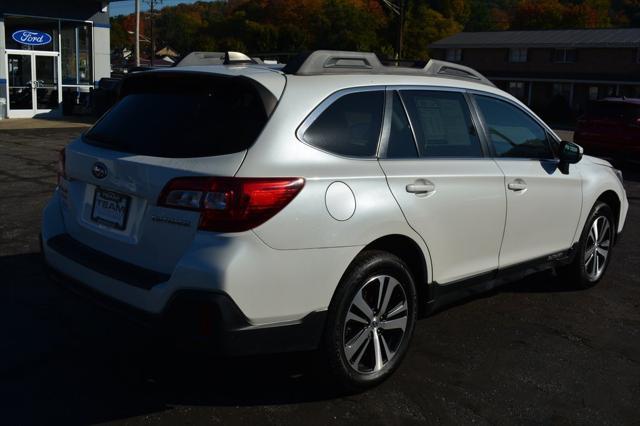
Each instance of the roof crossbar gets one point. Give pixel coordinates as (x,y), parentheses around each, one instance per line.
(323,62)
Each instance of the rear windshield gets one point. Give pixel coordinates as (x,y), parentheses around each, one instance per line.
(183,115)
(613,110)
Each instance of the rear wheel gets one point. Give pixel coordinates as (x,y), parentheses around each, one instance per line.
(371,320)
(594,249)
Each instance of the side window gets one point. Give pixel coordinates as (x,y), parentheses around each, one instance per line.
(350,126)
(512,132)
(554,144)
(401,143)
(442,124)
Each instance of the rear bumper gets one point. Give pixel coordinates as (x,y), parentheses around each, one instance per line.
(210,318)
(235,292)
(269,286)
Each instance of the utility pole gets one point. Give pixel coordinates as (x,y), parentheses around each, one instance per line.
(137,43)
(397,7)
(152,18)
(400,30)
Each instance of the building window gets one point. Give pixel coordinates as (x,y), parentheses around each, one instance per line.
(593,93)
(517,89)
(518,54)
(564,56)
(85,74)
(562,90)
(75,55)
(454,55)
(46,31)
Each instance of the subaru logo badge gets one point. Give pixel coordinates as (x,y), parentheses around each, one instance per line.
(99,170)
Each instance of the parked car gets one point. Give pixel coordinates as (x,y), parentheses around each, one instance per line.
(322,206)
(105,95)
(611,128)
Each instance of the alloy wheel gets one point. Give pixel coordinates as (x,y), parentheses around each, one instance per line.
(597,247)
(375,324)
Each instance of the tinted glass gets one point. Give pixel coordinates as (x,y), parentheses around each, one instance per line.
(401,143)
(513,133)
(349,126)
(442,124)
(182,116)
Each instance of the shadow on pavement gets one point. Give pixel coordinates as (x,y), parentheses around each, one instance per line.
(77,363)
(63,360)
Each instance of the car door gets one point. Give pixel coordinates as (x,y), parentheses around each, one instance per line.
(449,191)
(543,204)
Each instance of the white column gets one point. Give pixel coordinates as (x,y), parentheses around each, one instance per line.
(101,53)
(4,75)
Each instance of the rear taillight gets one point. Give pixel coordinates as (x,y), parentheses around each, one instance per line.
(61,166)
(230,204)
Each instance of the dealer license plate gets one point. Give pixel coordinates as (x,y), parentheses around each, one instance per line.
(110,208)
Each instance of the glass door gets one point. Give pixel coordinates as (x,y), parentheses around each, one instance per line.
(20,86)
(33,84)
(46,83)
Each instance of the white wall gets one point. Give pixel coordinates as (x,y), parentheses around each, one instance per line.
(102,53)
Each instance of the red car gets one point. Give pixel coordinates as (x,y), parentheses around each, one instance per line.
(611,129)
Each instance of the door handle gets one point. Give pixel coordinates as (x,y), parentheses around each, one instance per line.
(421,186)
(517,185)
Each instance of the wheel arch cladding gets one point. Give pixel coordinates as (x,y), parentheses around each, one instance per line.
(410,252)
(610,198)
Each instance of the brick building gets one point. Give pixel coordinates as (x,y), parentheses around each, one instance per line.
(555,72)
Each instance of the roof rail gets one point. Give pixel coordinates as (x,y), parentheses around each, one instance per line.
(323,62)
(449,69)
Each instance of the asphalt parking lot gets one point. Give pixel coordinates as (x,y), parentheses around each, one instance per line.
(528,353)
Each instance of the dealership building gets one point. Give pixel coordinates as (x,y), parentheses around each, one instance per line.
(50,51)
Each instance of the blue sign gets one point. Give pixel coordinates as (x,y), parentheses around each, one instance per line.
(31,38)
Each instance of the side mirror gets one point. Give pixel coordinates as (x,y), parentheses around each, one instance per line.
(570,153)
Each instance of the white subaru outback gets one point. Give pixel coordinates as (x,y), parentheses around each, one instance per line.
(323,205)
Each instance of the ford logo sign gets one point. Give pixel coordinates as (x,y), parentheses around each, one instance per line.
(99,170)
(31,38)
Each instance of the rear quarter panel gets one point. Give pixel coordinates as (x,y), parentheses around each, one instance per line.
(306,223)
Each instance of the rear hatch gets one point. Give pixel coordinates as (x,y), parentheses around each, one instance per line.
(165,125)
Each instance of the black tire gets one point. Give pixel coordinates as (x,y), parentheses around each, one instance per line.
(370,271)
(578,274)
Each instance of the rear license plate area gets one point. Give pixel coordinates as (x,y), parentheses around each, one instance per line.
(110,208)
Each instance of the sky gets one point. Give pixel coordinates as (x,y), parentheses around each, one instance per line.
(127,7)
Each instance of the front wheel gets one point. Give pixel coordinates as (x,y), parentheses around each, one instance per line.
(594,249)
(371,320)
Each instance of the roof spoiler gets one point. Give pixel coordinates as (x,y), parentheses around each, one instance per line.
(231,58)
(215,58)
(323,62)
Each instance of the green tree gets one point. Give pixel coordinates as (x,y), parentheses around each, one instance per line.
(120,38)
(343,25)
(538,15)
(424,26)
